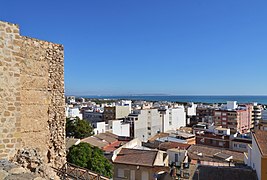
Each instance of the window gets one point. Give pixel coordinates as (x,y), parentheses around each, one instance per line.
(132,177)
(244,146)
(176,157)
(235,145)
(144,175)
(120,173)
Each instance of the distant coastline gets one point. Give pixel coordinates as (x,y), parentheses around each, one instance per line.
(191,98)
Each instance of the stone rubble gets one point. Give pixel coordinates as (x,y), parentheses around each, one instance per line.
(12,171)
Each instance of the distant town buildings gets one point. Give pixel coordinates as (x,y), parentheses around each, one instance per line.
(166,140)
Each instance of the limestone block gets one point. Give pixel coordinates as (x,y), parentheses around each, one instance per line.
(34,82)
(35,68)
(39,178)
(3,174)
(17,170)
(35,97)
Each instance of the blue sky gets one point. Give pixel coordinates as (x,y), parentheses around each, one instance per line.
(181,47)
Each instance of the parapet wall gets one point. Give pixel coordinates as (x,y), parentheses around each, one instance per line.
(32,113)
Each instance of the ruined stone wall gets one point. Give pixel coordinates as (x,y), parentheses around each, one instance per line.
(9,90)
(32,96)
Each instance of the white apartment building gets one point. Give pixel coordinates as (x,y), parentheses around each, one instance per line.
(119,128)
(145,123)
(73,112)
(191,109)
(172,118)
(100,127)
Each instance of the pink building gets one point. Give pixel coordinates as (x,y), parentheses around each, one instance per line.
(238,120)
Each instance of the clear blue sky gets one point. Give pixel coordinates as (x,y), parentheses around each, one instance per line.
(182,47)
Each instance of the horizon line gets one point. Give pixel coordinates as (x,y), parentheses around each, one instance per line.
(114,95)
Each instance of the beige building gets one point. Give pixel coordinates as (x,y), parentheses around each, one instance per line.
(257,154)
(115,112)
(132,164)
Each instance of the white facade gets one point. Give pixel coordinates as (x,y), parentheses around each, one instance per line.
(145,123)
(119,128)
(231,105)
(173,119)
(254,157)
(223,131)
(192,109)
(74,112)
(100,128)
(176,156)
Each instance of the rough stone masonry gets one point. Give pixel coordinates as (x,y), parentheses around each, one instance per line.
(32,112)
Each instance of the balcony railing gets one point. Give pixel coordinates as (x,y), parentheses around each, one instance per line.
(71,171)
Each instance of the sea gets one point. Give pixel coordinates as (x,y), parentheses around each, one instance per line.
(196,99)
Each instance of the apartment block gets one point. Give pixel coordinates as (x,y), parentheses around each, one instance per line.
(115,112)
(219,137)
(205,114)
(256,114)
(237,118)
(145,123)
(172,118)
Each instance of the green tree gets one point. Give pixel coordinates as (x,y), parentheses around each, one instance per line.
(89,157)
(78,128)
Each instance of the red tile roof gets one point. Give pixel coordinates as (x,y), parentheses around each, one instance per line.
(207,153)
(136,157)
(169,145)
(261,139)
(112,147)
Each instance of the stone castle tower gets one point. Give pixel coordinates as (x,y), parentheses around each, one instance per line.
(32,104)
